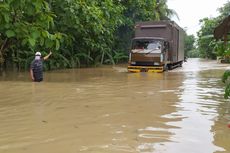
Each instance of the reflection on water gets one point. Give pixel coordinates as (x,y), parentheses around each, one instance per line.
(108,110)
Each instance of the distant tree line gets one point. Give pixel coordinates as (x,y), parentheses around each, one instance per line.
(79,32)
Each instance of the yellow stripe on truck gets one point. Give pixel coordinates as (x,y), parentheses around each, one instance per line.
(137,69)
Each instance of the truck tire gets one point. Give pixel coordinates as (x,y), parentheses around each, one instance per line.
(169,66)
(165,67)
(180,64)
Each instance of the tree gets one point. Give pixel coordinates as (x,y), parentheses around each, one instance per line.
(87,32)
(224,11)
(24,25)
(207,45)
(205,38)
(101,31)
(136,11)
(91,26)
(189,44)
(224,49)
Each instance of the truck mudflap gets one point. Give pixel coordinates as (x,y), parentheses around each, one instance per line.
(136,69)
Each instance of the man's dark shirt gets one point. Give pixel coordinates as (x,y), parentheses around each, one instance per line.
(37,68)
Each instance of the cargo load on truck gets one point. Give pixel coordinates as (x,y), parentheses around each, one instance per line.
(156,47)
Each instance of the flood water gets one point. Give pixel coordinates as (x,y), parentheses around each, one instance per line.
(107,110)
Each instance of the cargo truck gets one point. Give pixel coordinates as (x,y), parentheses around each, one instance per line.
(156,47)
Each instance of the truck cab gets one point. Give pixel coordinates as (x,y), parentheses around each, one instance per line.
(148,54)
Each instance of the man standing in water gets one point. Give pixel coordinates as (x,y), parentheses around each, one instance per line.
(36,67)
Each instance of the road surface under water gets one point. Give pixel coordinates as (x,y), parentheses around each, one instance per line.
(107,110)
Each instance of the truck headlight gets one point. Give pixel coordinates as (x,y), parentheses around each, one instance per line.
(133,63)
(156,63)
(162,57)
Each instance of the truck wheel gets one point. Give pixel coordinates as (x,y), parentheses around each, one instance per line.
(169,67)
(165,67)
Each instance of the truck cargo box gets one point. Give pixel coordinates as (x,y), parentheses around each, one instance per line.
(166,33)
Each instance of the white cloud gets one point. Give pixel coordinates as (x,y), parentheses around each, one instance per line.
(191,11)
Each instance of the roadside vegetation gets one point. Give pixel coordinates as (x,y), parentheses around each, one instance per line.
(189,46)
(206,46)
(78,32)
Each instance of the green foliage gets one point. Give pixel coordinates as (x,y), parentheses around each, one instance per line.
(120,56)
(224,11)
(223,50)
(102,30)
(209,47)
(25,27)
(225,76)
(90,25)
(225,79)
(189,44)
(205,38)
(193,53)
(219,47)
(82,32)
(135,11)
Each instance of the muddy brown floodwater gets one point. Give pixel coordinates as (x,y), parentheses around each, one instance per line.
(107,110)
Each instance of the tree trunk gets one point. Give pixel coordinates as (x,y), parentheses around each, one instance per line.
(2,51)
(1,70)
(88,58)
(102,57)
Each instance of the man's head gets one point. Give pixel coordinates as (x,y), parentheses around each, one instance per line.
(38,54)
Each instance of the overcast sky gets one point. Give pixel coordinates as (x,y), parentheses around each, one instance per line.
(191,11)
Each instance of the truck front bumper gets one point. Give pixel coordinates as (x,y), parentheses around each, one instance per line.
(136,69)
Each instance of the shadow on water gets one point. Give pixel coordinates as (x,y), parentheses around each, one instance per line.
(108,110)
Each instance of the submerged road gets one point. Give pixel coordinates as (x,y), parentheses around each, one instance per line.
(107,110)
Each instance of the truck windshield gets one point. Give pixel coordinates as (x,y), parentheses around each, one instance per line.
(146,44)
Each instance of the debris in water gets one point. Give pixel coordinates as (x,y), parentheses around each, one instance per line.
(44,121)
